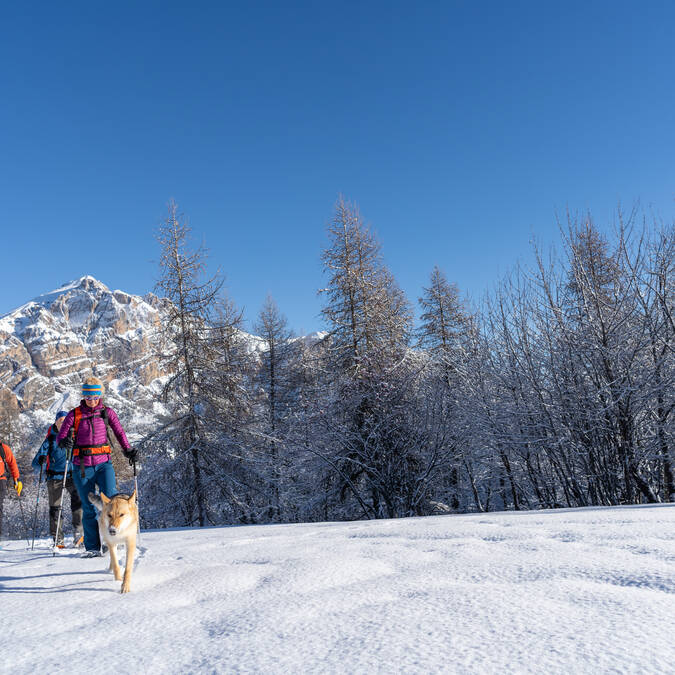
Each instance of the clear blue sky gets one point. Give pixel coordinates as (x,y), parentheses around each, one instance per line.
(460,129)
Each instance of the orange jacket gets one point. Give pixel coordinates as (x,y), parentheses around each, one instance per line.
(11,462)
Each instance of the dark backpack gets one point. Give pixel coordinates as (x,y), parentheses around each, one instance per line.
(3,456)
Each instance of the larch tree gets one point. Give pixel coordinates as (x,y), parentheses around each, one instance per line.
(275,381)
(443,334)
(369,321)
(192,302)
(366,311)
(445,321)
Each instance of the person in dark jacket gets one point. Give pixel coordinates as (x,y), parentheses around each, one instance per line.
(85,433)
(53,460)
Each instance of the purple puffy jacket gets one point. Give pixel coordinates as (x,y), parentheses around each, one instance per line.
(92,431)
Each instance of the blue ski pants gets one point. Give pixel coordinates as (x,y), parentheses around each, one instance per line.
(102,475)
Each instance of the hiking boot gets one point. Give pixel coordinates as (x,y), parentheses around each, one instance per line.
(91,554)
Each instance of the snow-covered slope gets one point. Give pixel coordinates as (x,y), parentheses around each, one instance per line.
(569,591)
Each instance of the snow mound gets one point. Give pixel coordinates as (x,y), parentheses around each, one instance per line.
(569,591)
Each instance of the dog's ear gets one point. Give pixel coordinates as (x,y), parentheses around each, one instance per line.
(104,499)
(96,501)
(132,499)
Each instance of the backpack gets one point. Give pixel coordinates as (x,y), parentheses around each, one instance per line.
(103,414)
(114,448)
(3,456)
(50,439)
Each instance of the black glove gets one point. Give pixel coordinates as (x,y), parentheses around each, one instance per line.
(130,454)
(67,443)
(42,459)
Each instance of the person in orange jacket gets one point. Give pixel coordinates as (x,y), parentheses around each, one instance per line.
(8,466)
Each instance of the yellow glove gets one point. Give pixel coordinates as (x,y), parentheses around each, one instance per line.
(18,486)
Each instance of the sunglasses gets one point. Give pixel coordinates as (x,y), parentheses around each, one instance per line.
(91,398)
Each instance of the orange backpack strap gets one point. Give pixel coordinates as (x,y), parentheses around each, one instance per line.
(76,420)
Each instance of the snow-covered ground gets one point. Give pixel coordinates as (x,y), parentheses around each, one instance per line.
(570,591)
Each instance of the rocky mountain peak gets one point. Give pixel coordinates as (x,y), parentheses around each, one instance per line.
(49,345)
(52,343)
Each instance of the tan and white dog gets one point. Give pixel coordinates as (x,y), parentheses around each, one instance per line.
(118,524)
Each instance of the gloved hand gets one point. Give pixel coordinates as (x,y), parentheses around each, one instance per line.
(42,459)
(18,486)
(130,454)
(67,443)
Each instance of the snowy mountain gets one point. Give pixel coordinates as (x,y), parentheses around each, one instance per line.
(566,591)
(50,344)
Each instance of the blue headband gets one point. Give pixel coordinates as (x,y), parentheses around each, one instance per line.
(92,390)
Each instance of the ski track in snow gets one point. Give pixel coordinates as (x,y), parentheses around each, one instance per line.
(569,591)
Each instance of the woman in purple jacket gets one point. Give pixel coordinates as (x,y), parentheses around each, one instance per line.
(84,431)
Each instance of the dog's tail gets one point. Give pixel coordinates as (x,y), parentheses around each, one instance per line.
(95,500)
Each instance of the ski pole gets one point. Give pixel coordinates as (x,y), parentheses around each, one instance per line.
(136,491)
(63,490)
(37,501)
(23,519)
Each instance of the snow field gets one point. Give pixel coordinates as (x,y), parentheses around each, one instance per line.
(569,591)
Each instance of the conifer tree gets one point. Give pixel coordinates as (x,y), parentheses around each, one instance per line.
(444,318)
(274,378)
(366,311)
(192,302)
(444,328)
(369,322)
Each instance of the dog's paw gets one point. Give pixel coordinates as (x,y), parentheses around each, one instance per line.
(125,588)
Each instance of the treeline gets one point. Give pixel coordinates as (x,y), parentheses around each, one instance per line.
(556,392)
